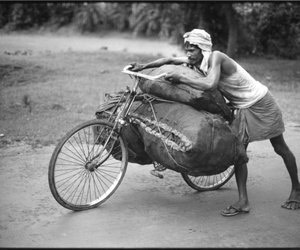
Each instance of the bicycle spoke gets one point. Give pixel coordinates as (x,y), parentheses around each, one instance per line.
(80,156)
(66,172)
(81,192)
(82,187)
(74,182)
(102,171)
(103,182)
(100,181)
(105,176)
(84,138)
(90,189)
(76,163)
(72,157)
(71,186)
(94,143)
(209,182)
(64,180)
(80,145)
(67,169)
(95,185)
(69,178)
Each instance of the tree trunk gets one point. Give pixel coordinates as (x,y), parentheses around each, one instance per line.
(201,11)
(232,22)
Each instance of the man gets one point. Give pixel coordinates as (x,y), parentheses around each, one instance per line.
(258,115)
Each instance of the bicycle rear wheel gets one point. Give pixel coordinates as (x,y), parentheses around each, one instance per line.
(209,182)
(87,166)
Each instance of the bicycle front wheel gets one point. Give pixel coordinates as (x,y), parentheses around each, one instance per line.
(87,166)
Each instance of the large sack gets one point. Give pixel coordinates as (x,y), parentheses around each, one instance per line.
(186,140)
(181,138)
(209,100)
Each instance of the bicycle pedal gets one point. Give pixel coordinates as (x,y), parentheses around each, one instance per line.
(159,167)
(156,174)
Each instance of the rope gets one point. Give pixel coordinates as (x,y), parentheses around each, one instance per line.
(151,98)
(170,156)
(113,100)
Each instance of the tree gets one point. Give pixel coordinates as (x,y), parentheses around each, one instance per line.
(232,24)
(271,28)
(61,13)
(118,15)
(24,15)
(5,10)
(258,27)
(89,17)
(278,29)
(145,19)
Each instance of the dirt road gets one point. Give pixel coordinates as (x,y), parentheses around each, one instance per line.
(52,43)
(146,211)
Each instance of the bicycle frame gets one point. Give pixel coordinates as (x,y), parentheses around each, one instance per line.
(121,120)
(125,108)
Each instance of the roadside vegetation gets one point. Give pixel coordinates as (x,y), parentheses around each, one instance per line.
(258,28)
(44,95)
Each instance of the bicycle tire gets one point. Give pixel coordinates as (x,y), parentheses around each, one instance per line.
(72,183)
(209,182)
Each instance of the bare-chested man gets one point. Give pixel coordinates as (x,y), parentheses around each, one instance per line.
(258,114)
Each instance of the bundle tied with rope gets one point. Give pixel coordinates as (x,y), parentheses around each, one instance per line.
(179,137)
(186,140)
(209,100)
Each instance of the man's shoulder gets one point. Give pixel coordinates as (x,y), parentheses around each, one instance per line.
(217,57)
(221,57)
(218,53)
(228,65)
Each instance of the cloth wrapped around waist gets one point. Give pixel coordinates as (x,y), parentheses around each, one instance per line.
(262,121)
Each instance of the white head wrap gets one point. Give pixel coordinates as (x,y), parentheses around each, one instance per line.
(201,39)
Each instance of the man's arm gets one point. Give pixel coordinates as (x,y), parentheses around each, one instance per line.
(160,62)
(202,83)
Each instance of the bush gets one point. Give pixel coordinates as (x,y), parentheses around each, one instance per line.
(23,16)
(271,28)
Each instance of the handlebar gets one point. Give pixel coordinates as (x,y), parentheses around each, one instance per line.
(137,74)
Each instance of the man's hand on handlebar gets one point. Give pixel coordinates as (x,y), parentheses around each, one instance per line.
(136,67)
(128,70)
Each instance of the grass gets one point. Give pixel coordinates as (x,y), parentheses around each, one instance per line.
(277,74)
(44,95)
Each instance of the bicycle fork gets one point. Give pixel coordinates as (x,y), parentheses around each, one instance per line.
(119,123)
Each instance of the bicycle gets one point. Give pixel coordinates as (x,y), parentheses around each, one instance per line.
(90,161)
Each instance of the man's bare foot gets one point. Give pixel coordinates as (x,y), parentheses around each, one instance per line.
(293,202)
